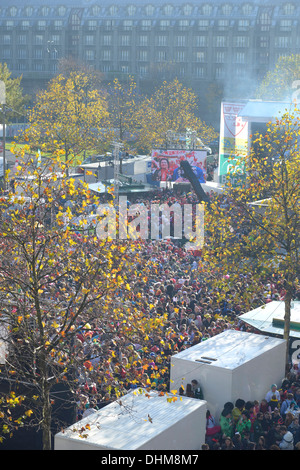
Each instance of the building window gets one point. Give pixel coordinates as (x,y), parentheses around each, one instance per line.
(75,21)
(127,25)
(226,9)
(131,10)
(149,10)
(61,11)
(181,41)
(220,72)
(146,25)
(203,25)
(288,9)
(161,40)
(206,9)
(6,39)
(125,55)
(125,40)
(223,25)
(200,56)
(187,9)
(184,25)
(113,10)
(283,41)
(221,41)
(143,56)
(161,56)
(239,58)
(285,25)
(243,25)
(220,57)
(106,54)
(265,21)
(199,72)
(22,54)
(38,53)
(164,24)
(201,41)
(143,41)
(89,40)
(92,25)
(143,70)
(28,11)
(13,11)
(58,25)
(45,11)
(96,10)
(9,24)
(89,54)
(247,9)
(107,40)
(180,56)
(25,25)
(41,25)
(38,39)
(168,10)
(241,41)
(22,39)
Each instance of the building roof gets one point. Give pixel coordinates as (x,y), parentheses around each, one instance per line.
(256,110)
(127,426)
(229,350)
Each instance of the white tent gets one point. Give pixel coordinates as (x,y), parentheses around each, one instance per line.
(231,365)
(143,421)
(269,318)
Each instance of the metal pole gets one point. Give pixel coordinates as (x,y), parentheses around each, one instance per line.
(4,142)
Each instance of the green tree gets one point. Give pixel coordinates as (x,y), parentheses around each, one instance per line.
(14,97)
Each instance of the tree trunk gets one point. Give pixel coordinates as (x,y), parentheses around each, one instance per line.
(46,420)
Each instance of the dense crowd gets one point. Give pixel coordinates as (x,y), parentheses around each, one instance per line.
(176,287)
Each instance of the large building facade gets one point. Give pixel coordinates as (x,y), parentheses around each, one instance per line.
(229,42)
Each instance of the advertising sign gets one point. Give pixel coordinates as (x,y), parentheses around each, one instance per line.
(165,164)
(233,142)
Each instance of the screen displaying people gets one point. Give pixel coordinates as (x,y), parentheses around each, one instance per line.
(165,165)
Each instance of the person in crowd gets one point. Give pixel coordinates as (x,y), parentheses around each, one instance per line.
(287,439)
(273,391)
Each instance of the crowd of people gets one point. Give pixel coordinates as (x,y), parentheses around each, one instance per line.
(176,287)
(271,423)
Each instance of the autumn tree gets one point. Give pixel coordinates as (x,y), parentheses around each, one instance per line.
(260,241)
(171,108)
(58,279)
(70,115)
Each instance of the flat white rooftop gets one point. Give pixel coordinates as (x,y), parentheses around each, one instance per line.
(229,349)
(129,426)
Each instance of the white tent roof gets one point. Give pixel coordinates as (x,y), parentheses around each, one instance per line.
(269,318)
(229,349)
(127,426)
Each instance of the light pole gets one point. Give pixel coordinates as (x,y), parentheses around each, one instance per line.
(3,109)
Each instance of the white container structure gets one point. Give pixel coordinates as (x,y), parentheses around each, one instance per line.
(142,422)
(231,365)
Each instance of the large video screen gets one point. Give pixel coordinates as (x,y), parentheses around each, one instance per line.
(165,164)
